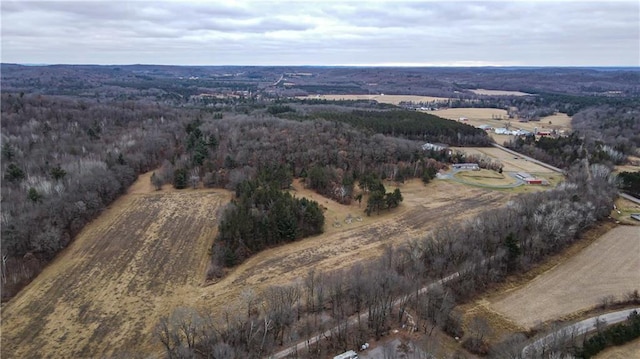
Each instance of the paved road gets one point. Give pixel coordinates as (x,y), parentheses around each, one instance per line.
(555,169)
(630,198)
(363,317)
(576,329)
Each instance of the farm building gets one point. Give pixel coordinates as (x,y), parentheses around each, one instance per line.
(501,131)
(466,166)
(524,176)
(434,146)
(486,127)
(522,133)
(347,355)
(463,119)
(529,179)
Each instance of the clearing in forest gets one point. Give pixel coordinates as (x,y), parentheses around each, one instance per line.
(391,99)
(147,255)
(499,92)
(608,266)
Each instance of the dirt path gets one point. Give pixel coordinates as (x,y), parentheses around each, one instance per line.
(147,255)
(609,266)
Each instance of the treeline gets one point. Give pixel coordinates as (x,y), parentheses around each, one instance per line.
(412,125)
(63,161)
(616,128)
(630,183)
(368,299)
(542,104)
(617,334)
(262,215)
(559,152)
(379,198)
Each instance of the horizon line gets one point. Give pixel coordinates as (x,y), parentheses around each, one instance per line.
(386,65)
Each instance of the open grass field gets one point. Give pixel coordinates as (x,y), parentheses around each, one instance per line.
(147,255)
(624,209)
(486,177)
(499,92)
(608,266)
(627,351)
(391,99)
(512,163)
(475,116)
(632,165)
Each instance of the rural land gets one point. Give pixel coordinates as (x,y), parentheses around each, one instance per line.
(304,212)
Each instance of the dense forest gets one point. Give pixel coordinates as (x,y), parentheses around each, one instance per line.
(263,215)
(630,183)
(406,124)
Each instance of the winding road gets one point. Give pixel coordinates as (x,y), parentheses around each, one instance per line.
(576,329)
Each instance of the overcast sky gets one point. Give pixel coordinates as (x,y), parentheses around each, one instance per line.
(498,33)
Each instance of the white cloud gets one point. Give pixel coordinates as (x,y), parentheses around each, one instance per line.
(561,33)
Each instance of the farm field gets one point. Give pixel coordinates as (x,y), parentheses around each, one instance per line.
(608,266)
(499,92)
(498,118)
(510,162)
(486,177)
(391,99)
(147,255)
(143,256)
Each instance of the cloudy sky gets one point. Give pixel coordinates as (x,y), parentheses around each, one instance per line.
(451,33)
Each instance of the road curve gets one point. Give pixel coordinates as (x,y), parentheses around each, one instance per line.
(576,329)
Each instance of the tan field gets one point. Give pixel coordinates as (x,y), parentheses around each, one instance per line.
(391,99)
(499,92)
(608,266)
(627,351)
(498,118)
(632,165)
(512,163)
(486,177)
(473,115)
(147,255)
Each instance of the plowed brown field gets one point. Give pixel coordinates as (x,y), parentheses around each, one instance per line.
(147,255)
(609,266)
